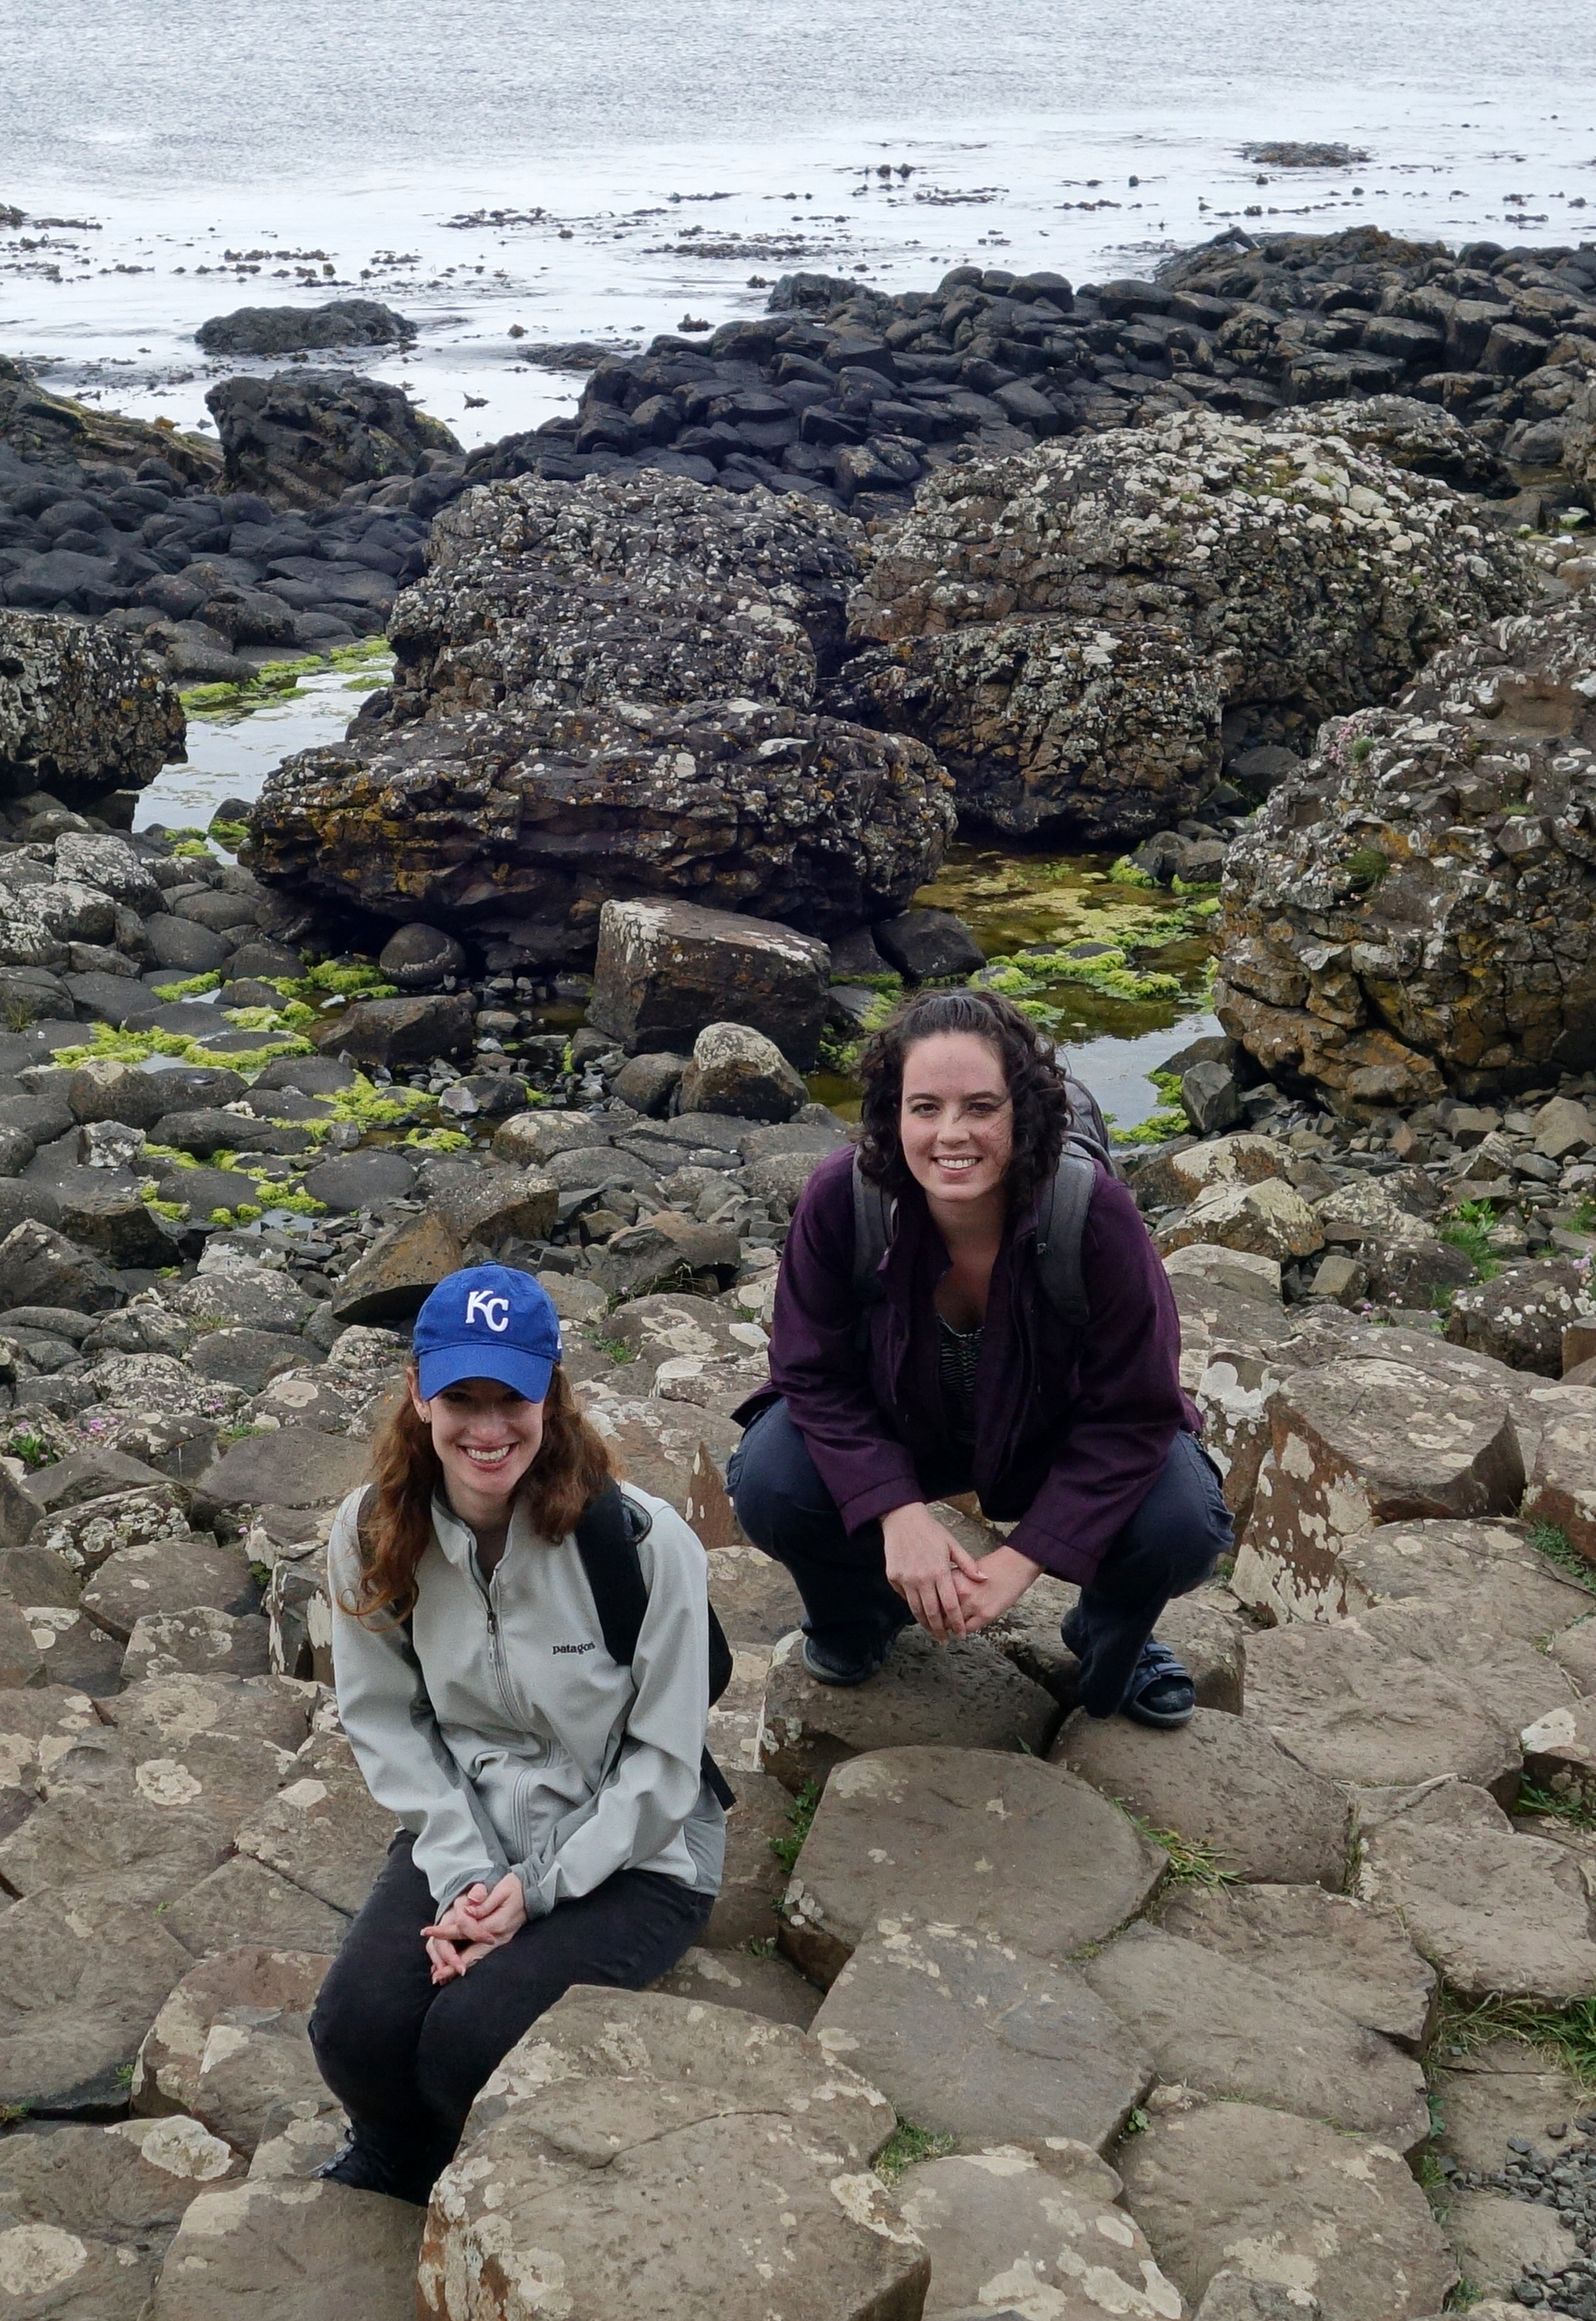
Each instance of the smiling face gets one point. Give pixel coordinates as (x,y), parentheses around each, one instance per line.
(486,1436)
(955,1119)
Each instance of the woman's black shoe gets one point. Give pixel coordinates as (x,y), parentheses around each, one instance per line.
(828,1665)
(365,2169)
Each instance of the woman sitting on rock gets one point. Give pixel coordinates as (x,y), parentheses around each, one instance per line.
(937,1360)
(556,1823)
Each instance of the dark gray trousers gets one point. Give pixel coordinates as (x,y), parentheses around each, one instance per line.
(1170,1546)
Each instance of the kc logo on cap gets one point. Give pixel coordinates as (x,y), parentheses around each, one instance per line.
(488,1322)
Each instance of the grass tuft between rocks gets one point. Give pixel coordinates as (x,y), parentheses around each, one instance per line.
(1191,1861)
(1551,1541)
(790,1842)
(905,2147)
(1566,2035)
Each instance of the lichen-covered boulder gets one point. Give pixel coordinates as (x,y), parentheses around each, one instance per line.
(1306,572)
(522,826)
(638,586)
(1417,908)
(82,710)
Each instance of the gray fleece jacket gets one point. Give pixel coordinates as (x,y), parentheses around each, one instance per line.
(499,1732)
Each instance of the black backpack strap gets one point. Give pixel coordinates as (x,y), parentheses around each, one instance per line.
(1061,1209)
(607,1545)
(874,1216)
(607,1534)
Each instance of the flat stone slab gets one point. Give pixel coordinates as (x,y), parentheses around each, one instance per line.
(296,1467)
(767,1987)
(1214,2025)
(283,2249)
(970,2037)
(1290,2203)
(229,2043)
(1560,1753)
(1406,1694)
(1033,2233)
(1347,1954)
(1488,1571)
(243,1902)
(1222,1782)
(965,1695)
(1505,2087)
(641,2155)
(50,2273)
(131,2182)
(81,1988)
(1497,2239)
(323,1830)
(967,1838)
(1366,1441)
(200,1642)
(166,1575)
(753,1595)
(1497,1913)
(88,1531)
(97,1848)
(1563,1481)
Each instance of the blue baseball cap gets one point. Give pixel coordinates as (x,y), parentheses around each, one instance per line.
(488,1321)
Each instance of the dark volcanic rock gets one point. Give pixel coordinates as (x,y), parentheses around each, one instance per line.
(59,433)
(522,828)
(81,711)
(303,437)
(287,330)
(1419,903)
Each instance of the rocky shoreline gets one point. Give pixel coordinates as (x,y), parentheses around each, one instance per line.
(1287,2015)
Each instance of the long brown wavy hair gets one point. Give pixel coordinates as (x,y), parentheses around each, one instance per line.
(395,1523)
(1036,1083)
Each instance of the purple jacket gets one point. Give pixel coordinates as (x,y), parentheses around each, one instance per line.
(1071,1432)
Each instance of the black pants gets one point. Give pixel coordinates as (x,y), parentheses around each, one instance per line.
(406,2058)
(1170,1546)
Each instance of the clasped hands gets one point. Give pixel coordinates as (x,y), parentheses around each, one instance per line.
(475,1923)
(949,1592)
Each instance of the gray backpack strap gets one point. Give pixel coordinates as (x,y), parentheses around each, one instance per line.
(874,1220)
(1087,1128)
(1060,1225)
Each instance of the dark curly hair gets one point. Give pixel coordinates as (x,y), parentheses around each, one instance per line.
(1036,1083)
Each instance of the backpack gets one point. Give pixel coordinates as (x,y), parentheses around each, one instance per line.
(607,1535)
(1061,1207)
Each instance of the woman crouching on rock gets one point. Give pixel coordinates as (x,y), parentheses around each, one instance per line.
(556,1823)
(956,1310)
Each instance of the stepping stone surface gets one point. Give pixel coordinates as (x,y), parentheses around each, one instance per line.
(1488,1571)
(80,1991)
(1218,2026)
(767,1986)
(1290,2202)
(1345,1954)
(1407,1694)
(229,2043)
(164,1575)
(284,2249)
(1496,1913)
(1038,2232)
(637,2155)
(964,1838)
(1221,1782)
(969,2037)
(965,1695)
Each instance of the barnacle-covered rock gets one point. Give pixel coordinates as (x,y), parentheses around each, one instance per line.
(1419,907)
(638,586)
(1115,725)
(521,828)
(82,711)
(1303,574)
